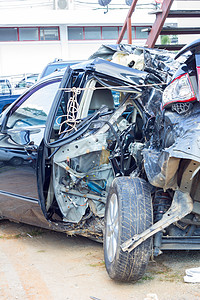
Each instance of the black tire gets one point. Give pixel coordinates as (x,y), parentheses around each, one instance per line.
(134,206)
(16,161)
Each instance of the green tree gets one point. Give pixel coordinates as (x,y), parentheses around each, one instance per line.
(165,40)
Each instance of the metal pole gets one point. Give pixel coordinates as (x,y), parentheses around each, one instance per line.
(129,30)
(127,21)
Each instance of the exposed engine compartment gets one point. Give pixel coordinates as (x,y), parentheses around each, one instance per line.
(85,168)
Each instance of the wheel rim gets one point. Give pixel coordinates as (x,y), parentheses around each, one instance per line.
(112,228)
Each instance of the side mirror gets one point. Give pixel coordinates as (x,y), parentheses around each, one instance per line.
(21,137)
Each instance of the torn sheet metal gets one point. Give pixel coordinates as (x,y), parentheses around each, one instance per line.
(180,140)
(160,64)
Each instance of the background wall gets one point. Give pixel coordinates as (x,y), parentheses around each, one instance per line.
(31,56)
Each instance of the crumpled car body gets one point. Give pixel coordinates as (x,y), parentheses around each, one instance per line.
(108,153)
(56,160)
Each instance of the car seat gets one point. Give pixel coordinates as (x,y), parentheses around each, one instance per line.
(101,97)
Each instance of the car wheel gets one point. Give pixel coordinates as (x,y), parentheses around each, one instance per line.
(16,161)
(128,212)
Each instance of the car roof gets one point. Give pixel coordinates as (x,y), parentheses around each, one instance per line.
(104,67)
(57,65)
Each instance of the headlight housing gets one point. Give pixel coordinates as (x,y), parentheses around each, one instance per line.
(179,90)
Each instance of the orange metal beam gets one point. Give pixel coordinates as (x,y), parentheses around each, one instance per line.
(129,30)
(127,24)
(158,24)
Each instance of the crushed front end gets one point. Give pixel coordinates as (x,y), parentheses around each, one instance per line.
(172,161)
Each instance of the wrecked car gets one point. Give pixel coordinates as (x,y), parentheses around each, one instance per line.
(114,155)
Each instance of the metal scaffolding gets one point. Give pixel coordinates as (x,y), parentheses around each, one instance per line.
(157,28)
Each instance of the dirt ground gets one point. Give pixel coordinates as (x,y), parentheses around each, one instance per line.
(41,264)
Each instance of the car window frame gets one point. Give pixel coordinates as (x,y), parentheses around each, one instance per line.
(13,107)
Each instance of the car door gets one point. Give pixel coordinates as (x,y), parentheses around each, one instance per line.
(21,135)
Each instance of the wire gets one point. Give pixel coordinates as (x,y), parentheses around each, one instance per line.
(71,120)
(72,109)
(114,87)
(24,4)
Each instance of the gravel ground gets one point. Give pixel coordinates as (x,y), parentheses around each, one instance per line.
(41,264)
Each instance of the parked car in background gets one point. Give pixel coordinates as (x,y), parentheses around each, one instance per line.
(5,87)
(9,94)
(6,94)
(57,65)
(26,82)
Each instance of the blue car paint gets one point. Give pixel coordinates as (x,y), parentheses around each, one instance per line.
(6,100)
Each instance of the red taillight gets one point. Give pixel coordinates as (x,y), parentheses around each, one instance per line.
(198,73)
(179,90)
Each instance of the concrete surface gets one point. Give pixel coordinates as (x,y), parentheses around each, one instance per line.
(41,264)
